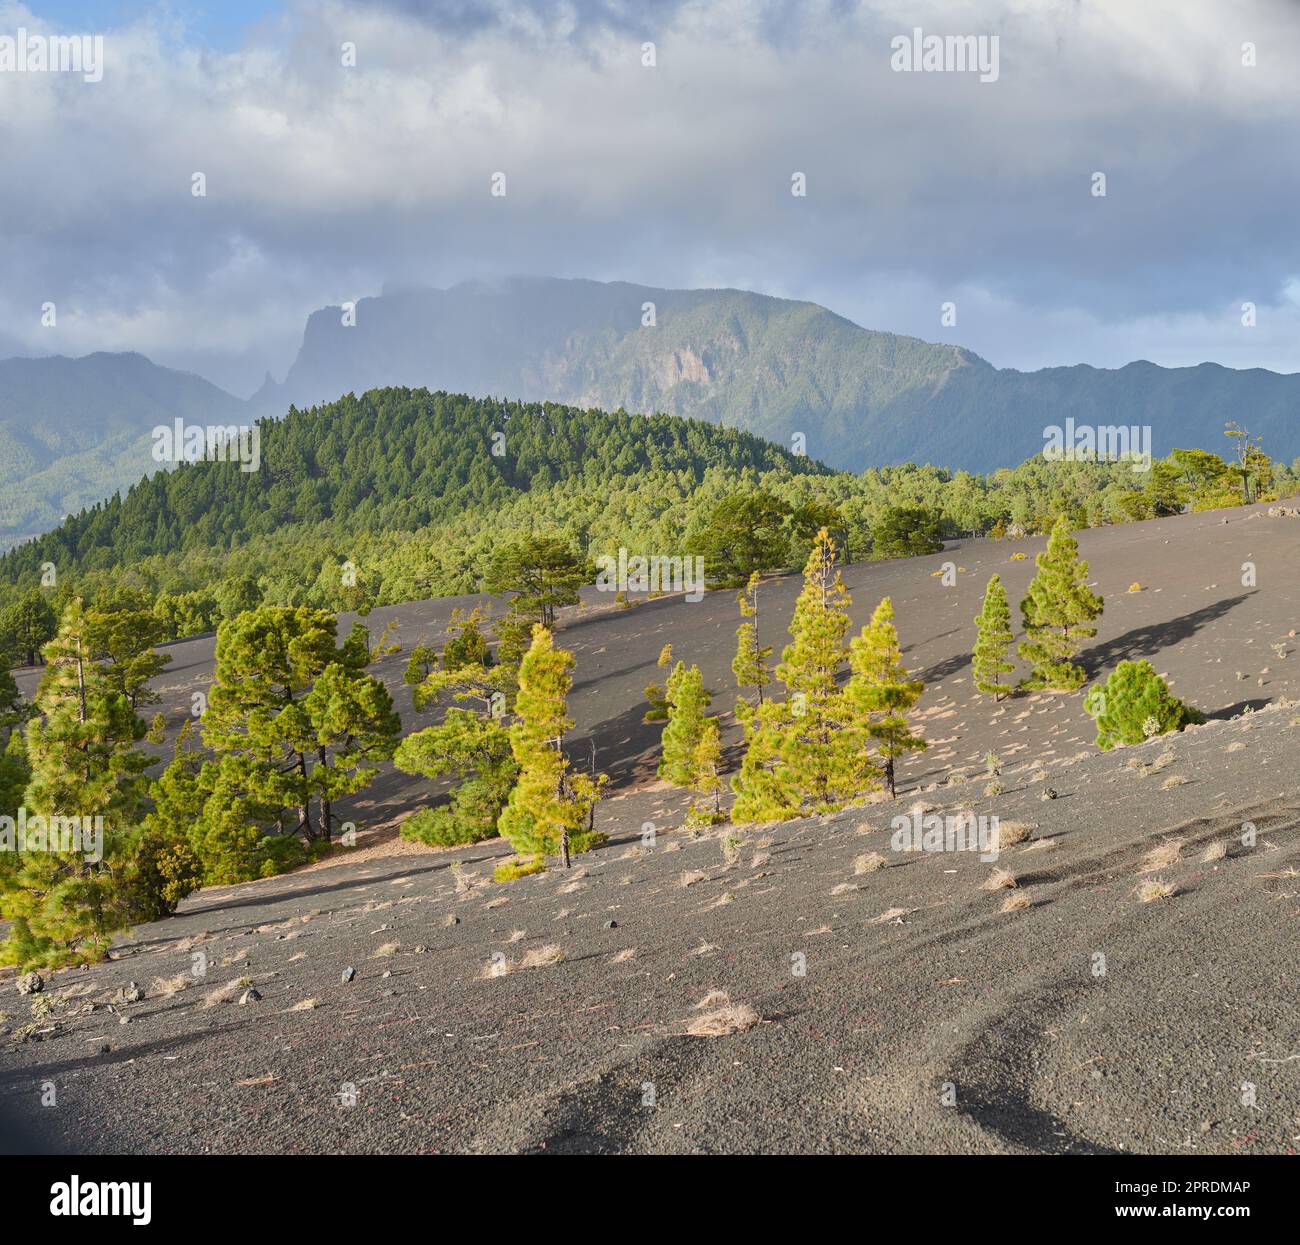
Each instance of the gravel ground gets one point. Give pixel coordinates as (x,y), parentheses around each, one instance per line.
(763,990)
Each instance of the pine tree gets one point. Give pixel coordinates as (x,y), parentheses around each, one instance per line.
(1056,612)
(750,663)
(706,780)
(1135,704)
(880,689)
(688,703)
(992,644)
(549,804)
(84,765)
(805,754)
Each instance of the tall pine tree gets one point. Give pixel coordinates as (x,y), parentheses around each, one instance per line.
(989,662)
(750,663)
(806,754)
(688,702)
(1056,613)
(549,803)
(880,689)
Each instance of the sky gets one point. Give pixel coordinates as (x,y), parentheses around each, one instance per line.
(325,180)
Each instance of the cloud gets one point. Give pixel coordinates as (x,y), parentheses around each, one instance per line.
(325,181)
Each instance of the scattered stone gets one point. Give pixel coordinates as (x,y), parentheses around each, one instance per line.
(611,925)
(451,919)
(1049,793)
(348,974)
(249,996)
(30,983)
(130,994)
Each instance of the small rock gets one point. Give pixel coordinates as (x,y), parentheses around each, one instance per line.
(249,996)
(1049,793)
(451,919)
(104,1048)
(348,974)
(131,994)
(386,973)
(611,925)
(30,983)
(124,1020)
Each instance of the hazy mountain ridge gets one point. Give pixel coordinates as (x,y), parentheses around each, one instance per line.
(74,431)
(772,366)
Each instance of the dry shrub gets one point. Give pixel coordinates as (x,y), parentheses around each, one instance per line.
(735,1018)
(541,957)
(999,879)
(1156,888)
(1162,857)
(868,862)
(1015,903)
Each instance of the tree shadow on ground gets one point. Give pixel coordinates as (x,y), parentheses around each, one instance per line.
(1154,638)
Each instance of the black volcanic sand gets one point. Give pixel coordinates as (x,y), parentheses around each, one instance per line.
(897,1010)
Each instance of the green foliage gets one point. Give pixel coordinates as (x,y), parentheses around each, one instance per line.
(27,623)
(1135,704)
(307,726)
(542,573)
(549,803)
(66,904)
(806,753)
(880,690)
(474,749)
(513,870)
(905,532)
(750,663)
(688,703)
(993,642)
(1056,613)
(743,534)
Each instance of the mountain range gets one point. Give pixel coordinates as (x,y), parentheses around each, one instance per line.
(73,431)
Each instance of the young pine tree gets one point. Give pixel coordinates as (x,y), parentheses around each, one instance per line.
(804,754)
(548,805)
(83,764)
(993,643)
(688,702)
(1056,613)
(880,689)
(1135,704)
(706,778)
(750,663)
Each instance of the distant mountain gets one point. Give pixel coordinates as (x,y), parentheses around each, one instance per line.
(74,431)
(768,365)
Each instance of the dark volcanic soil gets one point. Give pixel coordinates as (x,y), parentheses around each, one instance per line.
(897,1010)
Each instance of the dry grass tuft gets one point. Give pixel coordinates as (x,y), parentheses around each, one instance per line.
(714,998)
(1015,903)
(1174,780)
(691,876)
(868,862)
(307,1005)
(999,879)
(167,986)
(1214,852)
(1156,888)
(1162,857)
(1012,832)
(389,948)
(622,957)
(736,1018)
(760,859)
(542,957)
(843,888)
(226,993)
